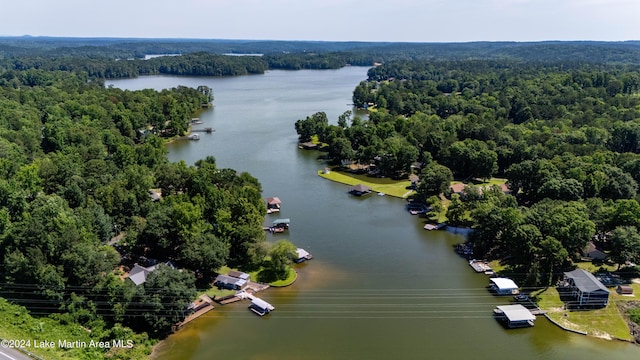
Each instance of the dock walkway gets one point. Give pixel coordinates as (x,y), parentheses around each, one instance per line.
(205,305)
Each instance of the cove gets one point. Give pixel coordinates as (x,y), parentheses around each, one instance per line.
(379,286)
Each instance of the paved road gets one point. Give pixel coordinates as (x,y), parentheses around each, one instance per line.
(12,354)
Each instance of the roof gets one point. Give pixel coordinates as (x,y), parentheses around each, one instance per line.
(625,289)
(504,283)
(516,312)
(281,221)
(413,178)
(225,279)
(139,274)
(301,253)
(273,201)
(585,281)
(360,188)
(238,274)
(457,188)
(261,303)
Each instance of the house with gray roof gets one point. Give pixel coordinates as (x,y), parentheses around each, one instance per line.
(139,274)
(585,289)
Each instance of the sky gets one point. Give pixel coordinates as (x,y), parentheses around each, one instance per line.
(327,20)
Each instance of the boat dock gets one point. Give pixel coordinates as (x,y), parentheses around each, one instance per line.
(258,305)
(434,226)
(252,288)
(480,266)
(205,130)
(199,308)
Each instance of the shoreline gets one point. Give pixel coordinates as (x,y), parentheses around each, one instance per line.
(384,185)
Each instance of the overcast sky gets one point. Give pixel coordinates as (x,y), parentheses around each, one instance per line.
(331,20)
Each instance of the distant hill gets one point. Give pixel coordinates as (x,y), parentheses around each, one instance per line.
(575,51)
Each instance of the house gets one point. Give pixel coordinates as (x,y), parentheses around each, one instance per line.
(514,316)
(503,286)
(592,252)
(586,289)
(624,290)
(155,194)
(414,181)
(360,190)
(230,282)
(273,205)
(239,275)
(139,274)
(457,188)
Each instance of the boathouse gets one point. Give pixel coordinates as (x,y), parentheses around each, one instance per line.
(281,223)
(273,205)
(360,190)
(585,289)
(260,306)
(503,286)
(515,316)
(302,256)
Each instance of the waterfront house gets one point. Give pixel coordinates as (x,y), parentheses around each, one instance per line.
(360,190)
(591,252)
(139,274)
(503,286)
(231,282)
(414,181)
(585,289)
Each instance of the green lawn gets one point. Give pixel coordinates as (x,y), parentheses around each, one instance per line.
(291,278)
(397,188)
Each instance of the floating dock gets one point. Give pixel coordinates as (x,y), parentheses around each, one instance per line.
(434,226)
(480,266)
(205,130)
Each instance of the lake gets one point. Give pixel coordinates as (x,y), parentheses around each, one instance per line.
(379,286)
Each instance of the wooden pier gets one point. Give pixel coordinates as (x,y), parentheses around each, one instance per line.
(205,130)
(201,307)
(480,266)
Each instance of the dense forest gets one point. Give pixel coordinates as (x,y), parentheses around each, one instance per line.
(566,136)
(78,162)
(117,58)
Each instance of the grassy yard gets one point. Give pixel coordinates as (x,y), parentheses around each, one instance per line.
(397,188)
(292,275)
(606,323)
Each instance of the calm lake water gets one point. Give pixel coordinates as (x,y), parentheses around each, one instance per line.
(379,286)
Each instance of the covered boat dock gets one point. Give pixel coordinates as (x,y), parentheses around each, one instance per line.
(514,316)
(503,286)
